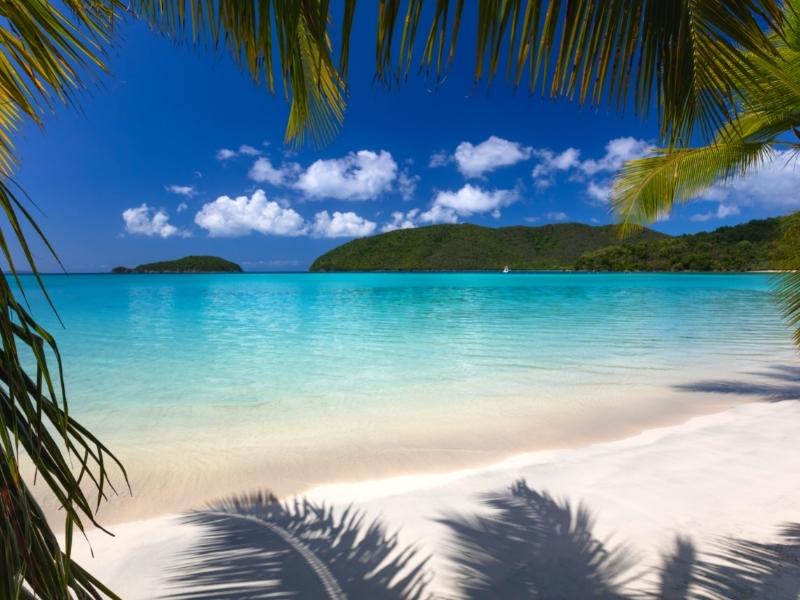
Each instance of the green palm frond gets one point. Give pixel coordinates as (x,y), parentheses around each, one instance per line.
(251,30)
(687,56)
(44,55)
(647,188)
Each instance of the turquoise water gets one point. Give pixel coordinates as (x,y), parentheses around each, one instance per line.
(257,338)
(326,362)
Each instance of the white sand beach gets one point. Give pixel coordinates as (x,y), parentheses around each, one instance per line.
(734,473)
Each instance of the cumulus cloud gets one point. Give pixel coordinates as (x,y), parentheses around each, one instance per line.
(262,171)
(448,206)
(723,211)
(144,220)
(402,220)
(182,207)
(775,184)
(224,154)
(248,150)
(439,214)
(471,199)
(596,172)
(491,154)
(600,193)
(407,184)
(439,159)
(341,224)
(362,175)
(231,217)
(181,190)
(556,216)
(618,152)
(550,161)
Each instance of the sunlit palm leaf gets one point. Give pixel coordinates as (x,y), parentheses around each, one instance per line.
(685,56)
(250,29)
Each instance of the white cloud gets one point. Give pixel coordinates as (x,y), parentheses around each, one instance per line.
(556,216)
(618,152)
(491,154)
(144,220)
(723,211)
(231,217)
(362,175)
(549,161)
(598,171)
(248,150)
(401,220)
(244,150)
(439,159)
(600,193)
(439,214)
(347,224)
(776,184)
(225,154)
(262,171)
(471,199)
(407,184)
(182,207)
(181,190)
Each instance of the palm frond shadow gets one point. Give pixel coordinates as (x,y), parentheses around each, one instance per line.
(530,546)
(778,383)
(258,547)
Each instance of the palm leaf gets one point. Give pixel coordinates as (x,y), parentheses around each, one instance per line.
(688,55)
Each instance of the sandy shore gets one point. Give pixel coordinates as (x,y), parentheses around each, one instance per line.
(736,472)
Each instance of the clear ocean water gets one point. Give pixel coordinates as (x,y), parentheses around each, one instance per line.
(353,360)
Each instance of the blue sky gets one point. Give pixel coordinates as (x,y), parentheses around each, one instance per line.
(177,152)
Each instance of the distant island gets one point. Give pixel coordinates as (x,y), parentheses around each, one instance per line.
(753,246)
(187,264)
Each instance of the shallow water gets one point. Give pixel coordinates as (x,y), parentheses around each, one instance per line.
(207,383)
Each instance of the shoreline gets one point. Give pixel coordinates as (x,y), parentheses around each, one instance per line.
(710,476)
(175,470)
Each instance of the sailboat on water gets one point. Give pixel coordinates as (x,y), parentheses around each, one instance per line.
(506,269)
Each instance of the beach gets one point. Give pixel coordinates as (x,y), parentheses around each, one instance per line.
(712,476)
(664,403)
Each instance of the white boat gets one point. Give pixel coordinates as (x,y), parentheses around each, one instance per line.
(506,269)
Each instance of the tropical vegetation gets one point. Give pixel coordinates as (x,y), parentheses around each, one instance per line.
(466,247)
(187,264)
(693,60)
(759,245)
(761,125)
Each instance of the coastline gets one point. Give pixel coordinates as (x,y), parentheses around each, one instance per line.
(226,450)
(711,476)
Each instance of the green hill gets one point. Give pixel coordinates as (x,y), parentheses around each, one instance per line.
(472,247)
(188,264)
(757,245)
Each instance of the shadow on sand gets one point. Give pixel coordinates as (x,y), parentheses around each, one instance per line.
(530,546)
(256,547)
(523,545)
(779,382)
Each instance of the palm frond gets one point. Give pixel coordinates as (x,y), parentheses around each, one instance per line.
(647,188)
(259,547)
(530,546)
(689,55)
(250,30)
(35,427)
